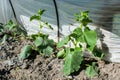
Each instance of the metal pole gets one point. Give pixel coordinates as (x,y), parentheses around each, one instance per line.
(13,11)
(16,16)
(57,16)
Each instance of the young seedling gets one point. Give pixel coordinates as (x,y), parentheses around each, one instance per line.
(42,43)
(83,38)
(9,29)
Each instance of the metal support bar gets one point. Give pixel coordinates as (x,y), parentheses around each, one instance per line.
(57,16)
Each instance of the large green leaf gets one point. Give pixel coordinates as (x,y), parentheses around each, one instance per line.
(51,42)
(78,35)
(38,41)
(72,62)
(91,38)
(25,52)
(92,70)
(63,42)
(47,51)
(78,31)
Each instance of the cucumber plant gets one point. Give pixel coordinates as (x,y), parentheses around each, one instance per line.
(83,39)
(42,43)
(10,29)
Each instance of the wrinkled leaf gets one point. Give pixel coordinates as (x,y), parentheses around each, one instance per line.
(91,38)
(72,62)
(78,35)
(47,51)
(25,52)
(38,42)
(92,70)
(63,42)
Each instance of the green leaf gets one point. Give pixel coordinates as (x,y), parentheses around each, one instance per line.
(35,17)
(78,35)
(33,36)
(10,25)
(51,42)
(83,18)
(47,51)
(5,37)
(61,53)
(22,31)
(63,42)
(25,52)
(41,11)
(67,50)
(48,25)
(78,49)
(98,53)
(45,41)
(72,62)
(91,39)
(92,70)
(78,32)
(38,42)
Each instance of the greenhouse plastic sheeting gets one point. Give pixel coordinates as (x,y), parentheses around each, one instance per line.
(104,13)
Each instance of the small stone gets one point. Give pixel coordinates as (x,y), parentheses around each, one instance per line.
(69,77)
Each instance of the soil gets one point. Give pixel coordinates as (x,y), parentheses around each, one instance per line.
(38,67)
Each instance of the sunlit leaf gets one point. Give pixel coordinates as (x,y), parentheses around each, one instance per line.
(47,51)
(34,17)
(92,70)
(91,38)
(25,52)
(72,62)
(41,11)
(63,42)
(61,53)
(38,41)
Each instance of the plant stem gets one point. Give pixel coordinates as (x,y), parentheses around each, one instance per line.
(40,26)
